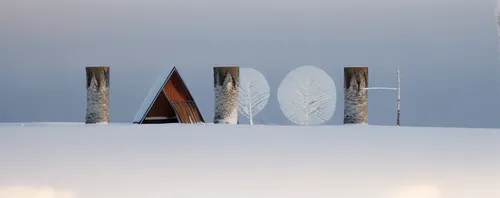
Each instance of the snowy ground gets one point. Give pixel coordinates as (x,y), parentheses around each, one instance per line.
(68,160)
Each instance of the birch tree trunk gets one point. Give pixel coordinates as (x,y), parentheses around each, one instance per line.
(226,81)
(355,95)
(399,101)
(97,95)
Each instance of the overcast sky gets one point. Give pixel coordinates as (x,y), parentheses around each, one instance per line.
(447,51)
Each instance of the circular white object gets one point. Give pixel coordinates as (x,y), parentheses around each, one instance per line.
(253,92)
(307,96)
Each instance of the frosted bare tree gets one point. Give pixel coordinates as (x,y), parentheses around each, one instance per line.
(307,96)
(253,93)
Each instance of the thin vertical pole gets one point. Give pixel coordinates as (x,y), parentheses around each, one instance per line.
(399,99)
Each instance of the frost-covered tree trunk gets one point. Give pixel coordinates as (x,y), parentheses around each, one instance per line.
(97,95)
(355,95)
(226,82)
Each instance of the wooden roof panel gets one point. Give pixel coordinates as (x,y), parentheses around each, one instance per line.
(178,96)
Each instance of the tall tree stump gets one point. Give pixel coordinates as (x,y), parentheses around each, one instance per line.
(355,95)
(226,81)
(97,95)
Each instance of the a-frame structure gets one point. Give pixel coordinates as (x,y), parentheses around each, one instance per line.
(168,101)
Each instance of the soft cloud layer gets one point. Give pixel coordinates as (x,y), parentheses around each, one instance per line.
(34,192)
(418,191)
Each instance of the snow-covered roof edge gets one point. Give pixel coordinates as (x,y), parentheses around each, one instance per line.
(152,95)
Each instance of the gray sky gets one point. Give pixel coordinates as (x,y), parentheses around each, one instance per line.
(447,51)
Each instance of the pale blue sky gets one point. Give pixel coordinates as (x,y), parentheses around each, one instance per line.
(447,51)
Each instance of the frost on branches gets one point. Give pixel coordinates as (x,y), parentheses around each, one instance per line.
(253,93)
(97,102)
(307,96)
(226,100)
(356,101)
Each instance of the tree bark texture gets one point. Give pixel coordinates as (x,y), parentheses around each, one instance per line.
(97,95)
(226,81)
(355,95)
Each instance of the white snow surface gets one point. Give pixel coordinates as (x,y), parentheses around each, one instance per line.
(156,118)
(195,160)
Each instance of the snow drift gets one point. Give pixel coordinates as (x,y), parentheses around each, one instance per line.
(189,161)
